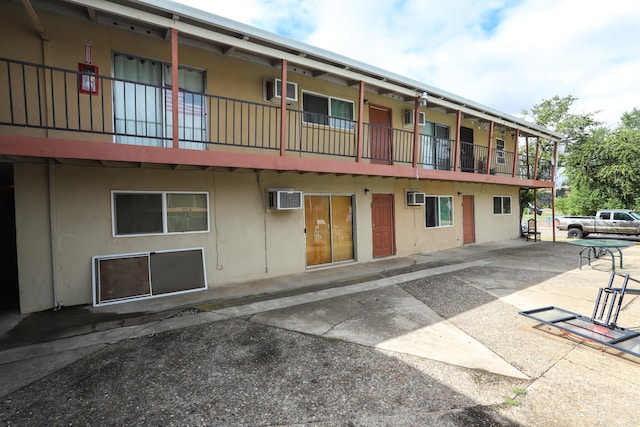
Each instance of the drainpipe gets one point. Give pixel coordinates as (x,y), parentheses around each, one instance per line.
(53,225)
(175,82)
(45,57)
(283,107)
(53,215)
(416,129)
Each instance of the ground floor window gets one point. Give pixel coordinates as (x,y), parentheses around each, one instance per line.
(438,211)
(329,228)
(136,213)
(501,205)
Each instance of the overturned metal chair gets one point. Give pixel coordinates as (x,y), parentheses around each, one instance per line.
(602,326)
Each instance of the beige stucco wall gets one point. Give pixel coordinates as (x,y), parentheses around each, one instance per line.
(245,242)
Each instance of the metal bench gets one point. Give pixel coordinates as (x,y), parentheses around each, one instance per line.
(602,326)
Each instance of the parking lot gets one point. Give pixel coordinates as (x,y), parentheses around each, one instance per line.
(433,339)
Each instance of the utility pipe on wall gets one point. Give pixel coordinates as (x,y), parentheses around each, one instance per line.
(53,229)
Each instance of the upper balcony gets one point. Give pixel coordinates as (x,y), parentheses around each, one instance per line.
(45,103)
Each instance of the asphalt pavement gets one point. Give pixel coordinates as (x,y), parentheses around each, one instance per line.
(431,339)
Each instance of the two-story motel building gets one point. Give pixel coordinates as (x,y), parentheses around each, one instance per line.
(268,157)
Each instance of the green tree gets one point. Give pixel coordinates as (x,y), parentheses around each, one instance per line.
(631,120)
(602,167)
(555,114)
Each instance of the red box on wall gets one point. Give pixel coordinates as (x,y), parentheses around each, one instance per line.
(88,79)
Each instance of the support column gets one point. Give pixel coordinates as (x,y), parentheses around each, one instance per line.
(554,164)
(360,135)
(489,147)
(526,147)
(456,151)
(416,128)
(516,147)
(535,164)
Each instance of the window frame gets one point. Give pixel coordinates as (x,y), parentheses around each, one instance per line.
(162,96)
(502,205)
(438,210)
(349,124)
(165,222)
(433,154)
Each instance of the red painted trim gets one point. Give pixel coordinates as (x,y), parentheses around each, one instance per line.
(555,162)
(553,212)
(489,147)
(174,87)
(527,152)
(283,108)
(41,147)
(535,164)
(359,142)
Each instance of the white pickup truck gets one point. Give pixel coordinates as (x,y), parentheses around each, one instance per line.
(610,221)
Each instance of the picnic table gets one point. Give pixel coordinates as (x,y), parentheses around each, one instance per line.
(597,248)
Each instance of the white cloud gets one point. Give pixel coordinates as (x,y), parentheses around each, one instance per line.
(506,54)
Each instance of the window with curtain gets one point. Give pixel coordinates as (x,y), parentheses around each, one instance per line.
(328,111)
(438,211)
(143,103)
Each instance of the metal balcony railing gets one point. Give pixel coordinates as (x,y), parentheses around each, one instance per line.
(129,112)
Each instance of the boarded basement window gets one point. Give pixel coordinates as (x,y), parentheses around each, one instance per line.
(126,277)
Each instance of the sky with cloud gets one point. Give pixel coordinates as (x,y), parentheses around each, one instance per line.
(506,54)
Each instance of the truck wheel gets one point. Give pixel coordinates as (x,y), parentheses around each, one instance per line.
(575,233)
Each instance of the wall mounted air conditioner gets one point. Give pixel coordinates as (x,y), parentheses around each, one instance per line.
(273,90)
(284,199)
(416,198)
(410,114)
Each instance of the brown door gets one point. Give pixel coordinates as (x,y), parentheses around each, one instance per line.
(468,224)
(329,228)
(382,221)
(317,218)
(380,135)
(467,161)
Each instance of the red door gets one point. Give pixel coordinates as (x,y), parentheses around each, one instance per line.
(468,224)
(380,135)
(382,221)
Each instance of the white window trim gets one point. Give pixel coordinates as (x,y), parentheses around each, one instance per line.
(329,98)
(438,196)
(502,205)
(165,231)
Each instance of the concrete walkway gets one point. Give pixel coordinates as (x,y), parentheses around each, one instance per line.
(451,315)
